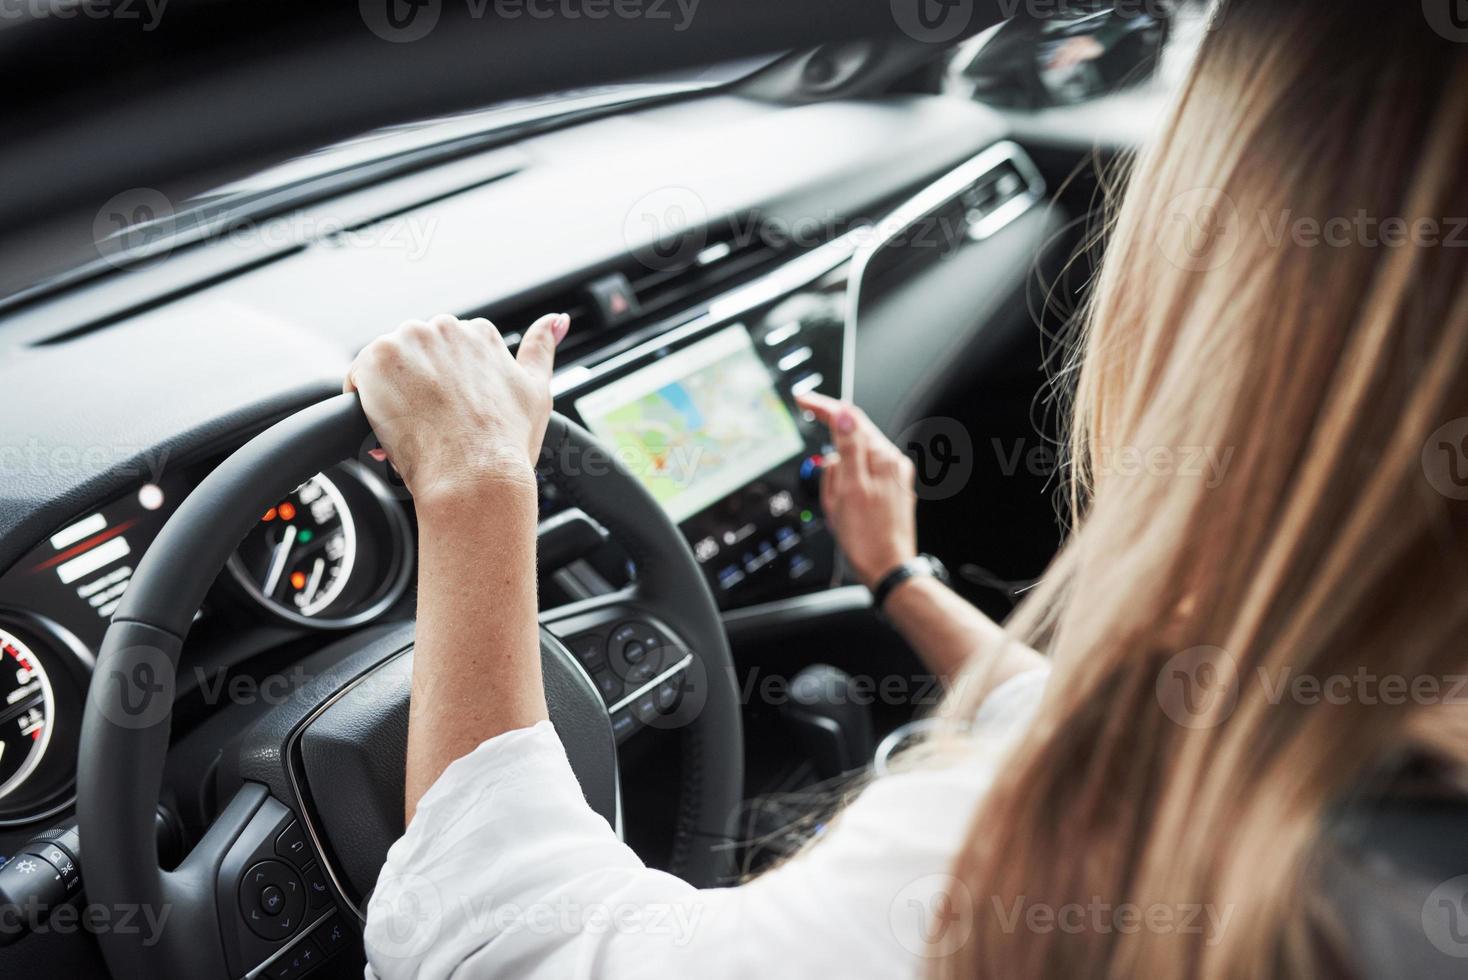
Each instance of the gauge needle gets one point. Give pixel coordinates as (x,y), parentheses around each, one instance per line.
(277,560)
(315,582)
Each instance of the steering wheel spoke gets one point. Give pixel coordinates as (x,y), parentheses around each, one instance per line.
(643,670)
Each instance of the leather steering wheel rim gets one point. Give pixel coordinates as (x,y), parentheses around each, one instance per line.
(125,730)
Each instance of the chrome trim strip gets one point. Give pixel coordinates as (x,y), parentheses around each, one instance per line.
(799,272)
(290,769)
(301,937)
(677,668)
(930,199)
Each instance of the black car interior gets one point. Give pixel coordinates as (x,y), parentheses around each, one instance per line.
(210,718)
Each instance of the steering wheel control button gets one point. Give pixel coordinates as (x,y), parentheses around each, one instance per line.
(296,962)
(640,674)
(588,650)
(610,686)
(330,935)
(318,895)
(621,637)
(272,900)
(291,845)
(635,650)
(623,725)
(646,708)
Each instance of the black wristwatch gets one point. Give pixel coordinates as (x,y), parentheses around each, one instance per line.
(914,568)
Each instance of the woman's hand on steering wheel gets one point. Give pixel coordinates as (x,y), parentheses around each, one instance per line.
(452,408)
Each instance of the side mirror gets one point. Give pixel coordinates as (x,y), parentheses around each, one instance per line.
(1066,52)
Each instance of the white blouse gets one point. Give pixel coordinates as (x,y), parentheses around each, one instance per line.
(505,871)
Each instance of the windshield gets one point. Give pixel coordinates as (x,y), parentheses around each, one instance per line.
(143,223)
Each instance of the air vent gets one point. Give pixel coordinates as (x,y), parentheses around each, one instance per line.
(987,200)
(514,320)
(975,213)
(711,266)
(694,271)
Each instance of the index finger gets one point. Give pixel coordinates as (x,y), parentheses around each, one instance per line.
(823,407)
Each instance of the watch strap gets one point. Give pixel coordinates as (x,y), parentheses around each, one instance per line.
(922,565)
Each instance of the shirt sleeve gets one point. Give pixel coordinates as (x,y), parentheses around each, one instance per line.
(506,871)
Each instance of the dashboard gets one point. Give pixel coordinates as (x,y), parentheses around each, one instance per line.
(689,373)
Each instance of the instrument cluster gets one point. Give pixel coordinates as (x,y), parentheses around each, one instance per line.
(334,553)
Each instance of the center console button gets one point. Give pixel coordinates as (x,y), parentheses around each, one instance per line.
(706,550)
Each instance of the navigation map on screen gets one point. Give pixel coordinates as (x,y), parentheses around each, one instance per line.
(697,425)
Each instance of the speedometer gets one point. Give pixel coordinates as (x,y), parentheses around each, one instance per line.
(333,553)
(26,710)
(300,555)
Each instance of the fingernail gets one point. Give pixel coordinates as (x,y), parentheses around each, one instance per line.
(846,423)
(560,327)
(377,454)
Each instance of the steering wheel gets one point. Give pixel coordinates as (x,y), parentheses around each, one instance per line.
(317,782)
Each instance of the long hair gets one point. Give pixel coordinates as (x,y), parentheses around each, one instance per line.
(1270,468)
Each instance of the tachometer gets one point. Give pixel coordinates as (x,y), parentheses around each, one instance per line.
(27,706)
(300,556)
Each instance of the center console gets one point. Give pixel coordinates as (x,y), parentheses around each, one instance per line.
(702,407)
(705,416)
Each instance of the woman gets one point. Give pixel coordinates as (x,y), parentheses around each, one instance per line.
(1167,757)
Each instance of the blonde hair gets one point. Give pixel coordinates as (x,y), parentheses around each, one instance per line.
(1322,362)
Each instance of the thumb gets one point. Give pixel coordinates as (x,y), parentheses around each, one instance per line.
(537,353)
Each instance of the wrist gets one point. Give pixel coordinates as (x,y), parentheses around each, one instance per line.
(473,488)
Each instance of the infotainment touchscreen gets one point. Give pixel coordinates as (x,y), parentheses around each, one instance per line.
(698,424)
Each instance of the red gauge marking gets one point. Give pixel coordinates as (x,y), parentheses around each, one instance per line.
(86,545)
